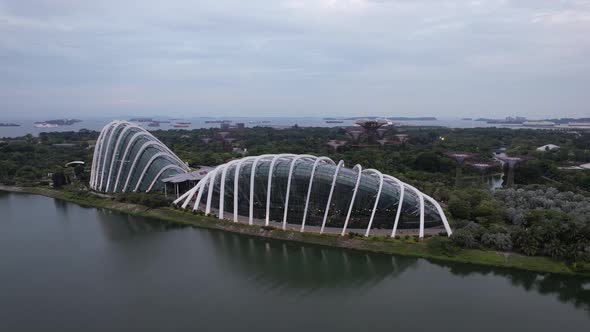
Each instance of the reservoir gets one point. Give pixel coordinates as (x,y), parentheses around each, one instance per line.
(64,267)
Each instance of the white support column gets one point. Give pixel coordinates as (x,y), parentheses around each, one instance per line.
(421,200)
(201,190)
(356,187)
(127,149)
(421,215)
(102,156)
(309,186)
(441,213)
(135,160)
(210,192)
(269,184)
(340,164)
(236,185)
(252,180)
(106,153)
(192,194)
(150,138)
(147,167)
(176,201)
(116,150)
(376,198)
(165,168)
(96,157)
(222,188)
(189,195)
(293,163)
(399,204)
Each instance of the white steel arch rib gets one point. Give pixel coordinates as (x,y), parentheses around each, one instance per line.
(203,183)
(165,168)
(252,178)
(291,168)
(117,149)
(127,149)
(340,164)
(98,148)
(98,154)
(191,194)
(106,152)
(236,184)
(356,187)
(130,145)
(148,165)
(380,175)
(212,176)
(147,144)
(400,202)
(421,200)
(269,184)
(441,213)
(207,184)
(315,165)
(95,157)
(222,187)
(185,195)
(136,159)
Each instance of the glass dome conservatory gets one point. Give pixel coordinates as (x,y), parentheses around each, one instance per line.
(127,158)
(313,193)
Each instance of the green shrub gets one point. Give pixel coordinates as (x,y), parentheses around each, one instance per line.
(442,245)
(465,238)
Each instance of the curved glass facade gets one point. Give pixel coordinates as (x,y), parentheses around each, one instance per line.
(313,192)
(127,158)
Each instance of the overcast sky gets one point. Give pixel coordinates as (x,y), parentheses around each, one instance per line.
(295,57)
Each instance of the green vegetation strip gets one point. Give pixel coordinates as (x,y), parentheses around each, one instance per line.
(405,246)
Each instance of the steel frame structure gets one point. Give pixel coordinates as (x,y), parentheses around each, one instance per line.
(107,159)
(208,183)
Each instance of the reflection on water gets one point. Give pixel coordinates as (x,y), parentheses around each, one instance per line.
(572,289)
(65,266)
(119,226)
(288,266)
(307,267)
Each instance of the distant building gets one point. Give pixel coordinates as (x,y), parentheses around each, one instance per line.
(538,124)
(548,147)
(579,124)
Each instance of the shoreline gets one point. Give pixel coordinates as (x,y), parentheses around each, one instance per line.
(403,247)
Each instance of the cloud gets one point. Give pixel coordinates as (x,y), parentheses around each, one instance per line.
(296,57)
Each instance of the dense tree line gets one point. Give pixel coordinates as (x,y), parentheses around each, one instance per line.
(547,214)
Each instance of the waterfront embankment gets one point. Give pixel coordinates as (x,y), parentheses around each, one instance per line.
(406,246)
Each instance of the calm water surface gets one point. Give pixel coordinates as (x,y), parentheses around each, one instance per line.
(69,268)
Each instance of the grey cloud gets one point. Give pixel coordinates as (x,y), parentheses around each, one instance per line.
(293,57)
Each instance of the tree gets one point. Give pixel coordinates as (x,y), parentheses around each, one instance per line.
(459,208)
(59,179)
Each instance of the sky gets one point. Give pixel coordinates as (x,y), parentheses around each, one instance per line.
(444,58)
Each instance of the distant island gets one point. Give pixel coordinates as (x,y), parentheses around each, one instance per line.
(9,125)
(141,120)
(419,118)
(59,122)
(397,118)
(519,120)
